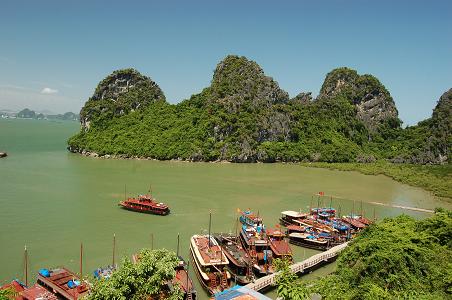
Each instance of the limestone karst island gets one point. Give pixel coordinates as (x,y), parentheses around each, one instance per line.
(238,150)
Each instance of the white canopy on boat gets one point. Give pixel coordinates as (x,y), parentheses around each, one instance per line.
(293,214)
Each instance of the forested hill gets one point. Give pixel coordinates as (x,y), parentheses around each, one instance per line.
(244,116)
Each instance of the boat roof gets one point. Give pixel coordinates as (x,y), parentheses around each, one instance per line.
(294,214)
(38,292)
(240,293)
(206,254)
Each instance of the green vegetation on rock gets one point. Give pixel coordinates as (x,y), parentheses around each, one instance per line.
(398,258)
(244,116)
(435,178)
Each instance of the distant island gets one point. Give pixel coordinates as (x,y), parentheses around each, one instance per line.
(30,114)
(244,116)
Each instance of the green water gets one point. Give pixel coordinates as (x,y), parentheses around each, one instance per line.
(52,200)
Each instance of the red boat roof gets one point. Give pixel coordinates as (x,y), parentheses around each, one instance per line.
(146,200)
(15,287)
(37,292)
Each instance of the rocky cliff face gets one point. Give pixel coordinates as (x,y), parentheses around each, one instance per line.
(441,127)
(118,94)
(248,101)
(238,81)
(302,98)
(373,102)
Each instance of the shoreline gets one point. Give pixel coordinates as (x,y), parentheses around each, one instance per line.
(414,175)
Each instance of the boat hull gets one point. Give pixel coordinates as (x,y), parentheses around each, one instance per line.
(146,211)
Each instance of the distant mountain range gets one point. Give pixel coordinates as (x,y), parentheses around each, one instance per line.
(31,114)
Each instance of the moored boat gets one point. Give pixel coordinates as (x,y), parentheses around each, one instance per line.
(357,225)
(257,245)
(3,154)
(240,263)
(279,246)
(209,263)
(250,219)
(290,217)
(62,282)
(145,204)
(183,280)
(308,240)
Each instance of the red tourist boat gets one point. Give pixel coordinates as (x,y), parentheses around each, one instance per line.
(145,204)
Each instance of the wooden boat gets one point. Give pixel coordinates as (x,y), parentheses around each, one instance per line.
(28,293)
(290,217)
(183,280)
(278,245)
(250,219)
(324,212)
(257,245)
(240,263)
(353,222)
(64,283)
(14,286)
(145,204)
(37,292)
(3,154)
(210,262)
(295,228)
(308,241)
(310,222)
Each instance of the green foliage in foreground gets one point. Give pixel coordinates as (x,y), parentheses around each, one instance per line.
(138,281)
(288,287)
(398,258)
(7,294)
(435,178)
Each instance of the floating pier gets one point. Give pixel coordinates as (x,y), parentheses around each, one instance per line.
(299,267)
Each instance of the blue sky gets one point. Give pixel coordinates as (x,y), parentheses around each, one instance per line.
(53,53)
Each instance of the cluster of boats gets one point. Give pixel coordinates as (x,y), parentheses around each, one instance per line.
(321,229)
(220,260)
(223,260)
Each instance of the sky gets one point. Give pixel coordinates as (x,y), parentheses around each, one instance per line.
(54,53)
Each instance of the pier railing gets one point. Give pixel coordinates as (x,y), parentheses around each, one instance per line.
(299,267)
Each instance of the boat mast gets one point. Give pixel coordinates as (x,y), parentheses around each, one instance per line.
(177,245)
(188,266)
(236,227)
(310,204)
(331,201)
(26,265)
(318,205)
(114,246)
(210,223)
(81,262)
(362,208)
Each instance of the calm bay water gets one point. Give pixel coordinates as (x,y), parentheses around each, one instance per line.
(52,200)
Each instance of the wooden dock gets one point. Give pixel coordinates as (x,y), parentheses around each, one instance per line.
(299,267)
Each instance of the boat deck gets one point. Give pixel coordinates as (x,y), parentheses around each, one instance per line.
(37,292)
(58,281)
(209,254)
